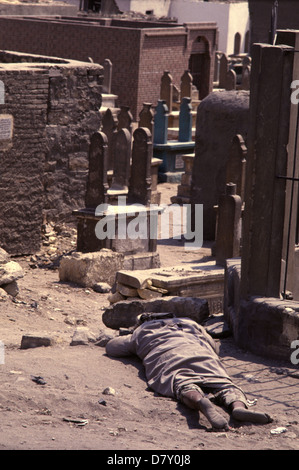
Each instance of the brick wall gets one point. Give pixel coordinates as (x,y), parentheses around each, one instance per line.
(21,166)
(72,117)
(43,169)
(160,53)
(139,51)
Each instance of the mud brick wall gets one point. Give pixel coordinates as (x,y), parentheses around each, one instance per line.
(73,116)
(80,41)
(139,51)
(21,167)
(43,168)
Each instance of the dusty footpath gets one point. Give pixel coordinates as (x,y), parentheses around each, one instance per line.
(52,398)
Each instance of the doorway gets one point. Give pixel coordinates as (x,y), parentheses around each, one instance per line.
(199,66)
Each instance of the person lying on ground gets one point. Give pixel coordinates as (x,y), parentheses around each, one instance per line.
(181,361)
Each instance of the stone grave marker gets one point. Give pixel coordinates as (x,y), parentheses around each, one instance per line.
(109,127)
(223,69)
(146,117)
(125,119)
(166,90)
(228,233)
(140,180)
(97,185)
(236,164)
(107,76)
(161,123)
(122,157)
(186,84)
(185,120)
(231,80)
(245,85)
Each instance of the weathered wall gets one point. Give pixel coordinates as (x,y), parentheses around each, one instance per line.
(21,174)
(170,51)
(72,117)
(43,168)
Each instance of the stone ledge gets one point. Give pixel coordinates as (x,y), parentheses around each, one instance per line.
(263,325)
(124,314)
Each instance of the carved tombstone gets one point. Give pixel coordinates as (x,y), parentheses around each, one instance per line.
(125,119)
(236,164)
(185,120)
(166,91)
(122,157)
(223,69)
(161,123)
(186,85)
(97,185)
(140,180)
(109,127)
(107,76)
(146,117)
(231,80)
(246,77)
(228,233)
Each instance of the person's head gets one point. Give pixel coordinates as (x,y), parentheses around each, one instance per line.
(149,316)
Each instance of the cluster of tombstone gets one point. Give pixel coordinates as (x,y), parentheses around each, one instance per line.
(174,125)
(232,73)
(173,95)
(122,173)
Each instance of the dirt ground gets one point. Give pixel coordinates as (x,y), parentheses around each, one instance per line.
(70,412)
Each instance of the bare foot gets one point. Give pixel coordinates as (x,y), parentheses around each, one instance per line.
(210,412)
(243,414)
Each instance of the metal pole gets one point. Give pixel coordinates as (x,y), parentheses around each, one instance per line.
(274,13)
(293,179)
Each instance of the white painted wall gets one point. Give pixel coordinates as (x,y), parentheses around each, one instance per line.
(238,22)
(187,11)
(230,17)
(160,7)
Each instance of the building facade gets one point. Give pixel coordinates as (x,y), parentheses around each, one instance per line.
(232,17)
(140,51)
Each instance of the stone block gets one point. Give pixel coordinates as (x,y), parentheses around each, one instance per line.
(87,269)
(31,341)
(12,288)
(82,336)
(204,280)
(124,314)
(4,256)
(9,272)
